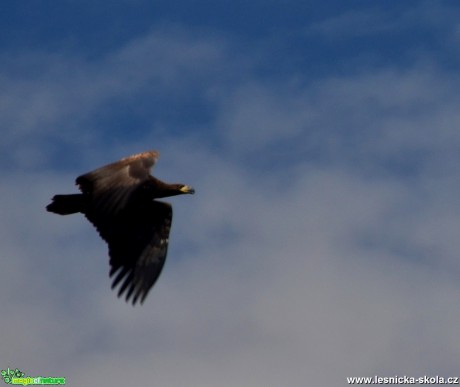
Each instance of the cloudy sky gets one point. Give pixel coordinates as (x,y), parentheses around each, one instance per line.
(323,141)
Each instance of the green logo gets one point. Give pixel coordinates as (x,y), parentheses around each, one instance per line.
(17,377)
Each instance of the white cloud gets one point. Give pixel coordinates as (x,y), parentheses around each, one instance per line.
(385,21)
(49,98)
(304,273)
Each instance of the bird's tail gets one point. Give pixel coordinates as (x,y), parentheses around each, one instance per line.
(66,204)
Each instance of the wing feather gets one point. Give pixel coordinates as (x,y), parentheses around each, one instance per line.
(138,242)
(111,186)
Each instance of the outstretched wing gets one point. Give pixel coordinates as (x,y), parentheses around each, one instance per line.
(135,227)
(138,244)
(110,187)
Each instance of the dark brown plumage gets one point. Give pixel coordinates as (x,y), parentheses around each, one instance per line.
(119,200)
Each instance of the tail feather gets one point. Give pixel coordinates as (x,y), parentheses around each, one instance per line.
(66,204)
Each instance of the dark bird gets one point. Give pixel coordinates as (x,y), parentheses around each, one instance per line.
(119,200)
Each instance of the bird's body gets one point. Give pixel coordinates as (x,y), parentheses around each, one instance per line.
(119,200)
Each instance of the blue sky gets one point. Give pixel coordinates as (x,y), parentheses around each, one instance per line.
(323,143)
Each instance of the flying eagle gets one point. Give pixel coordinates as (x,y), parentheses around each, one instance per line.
(119,200)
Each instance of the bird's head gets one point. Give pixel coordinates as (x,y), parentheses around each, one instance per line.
(166,190)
